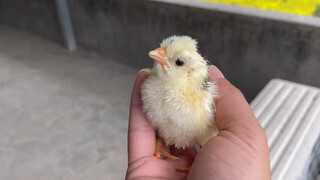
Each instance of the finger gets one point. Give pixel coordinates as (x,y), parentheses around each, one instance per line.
(141,135)
(215,73)
(233,112)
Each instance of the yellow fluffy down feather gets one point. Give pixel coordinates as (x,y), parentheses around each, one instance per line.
(177,98)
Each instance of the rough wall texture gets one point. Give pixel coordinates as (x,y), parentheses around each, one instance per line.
(35,16)
(250,51)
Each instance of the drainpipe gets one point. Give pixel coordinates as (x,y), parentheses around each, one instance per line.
(66,25)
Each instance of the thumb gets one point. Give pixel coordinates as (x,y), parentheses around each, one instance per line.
(233,112)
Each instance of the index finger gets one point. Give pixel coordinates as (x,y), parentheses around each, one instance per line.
(141,135)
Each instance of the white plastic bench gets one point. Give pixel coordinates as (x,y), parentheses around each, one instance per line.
(290,114)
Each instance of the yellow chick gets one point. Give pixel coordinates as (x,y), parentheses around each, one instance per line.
(177,97)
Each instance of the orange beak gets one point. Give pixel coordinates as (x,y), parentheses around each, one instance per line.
(159,56)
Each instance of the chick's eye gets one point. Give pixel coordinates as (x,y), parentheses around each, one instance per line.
(179,62)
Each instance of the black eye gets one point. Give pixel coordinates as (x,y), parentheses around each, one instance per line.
(179,62)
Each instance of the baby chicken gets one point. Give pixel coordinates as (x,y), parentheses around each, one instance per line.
(177,97)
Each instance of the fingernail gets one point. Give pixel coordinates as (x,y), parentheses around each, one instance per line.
(142,70)
(146,70)
(215,72)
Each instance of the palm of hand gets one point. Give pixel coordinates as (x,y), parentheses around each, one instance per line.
(226,150)
(151,167)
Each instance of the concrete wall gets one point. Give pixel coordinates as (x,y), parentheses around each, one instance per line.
(249,50)
(35,16)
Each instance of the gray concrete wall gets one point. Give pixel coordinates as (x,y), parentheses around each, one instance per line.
(249,50)
(35,16)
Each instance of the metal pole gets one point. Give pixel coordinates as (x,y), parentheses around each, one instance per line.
(66,25)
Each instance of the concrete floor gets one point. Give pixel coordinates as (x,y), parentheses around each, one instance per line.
(62,115)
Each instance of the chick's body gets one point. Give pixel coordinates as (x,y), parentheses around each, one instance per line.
(176,96)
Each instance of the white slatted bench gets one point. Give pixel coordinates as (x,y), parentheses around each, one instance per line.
(290,114)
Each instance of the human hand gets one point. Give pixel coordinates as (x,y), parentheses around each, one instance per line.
(239,151)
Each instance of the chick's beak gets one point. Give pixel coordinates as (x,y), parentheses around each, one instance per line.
(159,56)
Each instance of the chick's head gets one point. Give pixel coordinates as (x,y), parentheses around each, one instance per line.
(178,58)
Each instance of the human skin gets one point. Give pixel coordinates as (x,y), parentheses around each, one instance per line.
(239,151)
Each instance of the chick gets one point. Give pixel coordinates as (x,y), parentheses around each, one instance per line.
(177,97)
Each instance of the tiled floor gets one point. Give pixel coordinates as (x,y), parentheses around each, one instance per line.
(62,115)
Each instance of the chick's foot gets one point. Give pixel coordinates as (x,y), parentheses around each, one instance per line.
(183,169)
(160,151)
